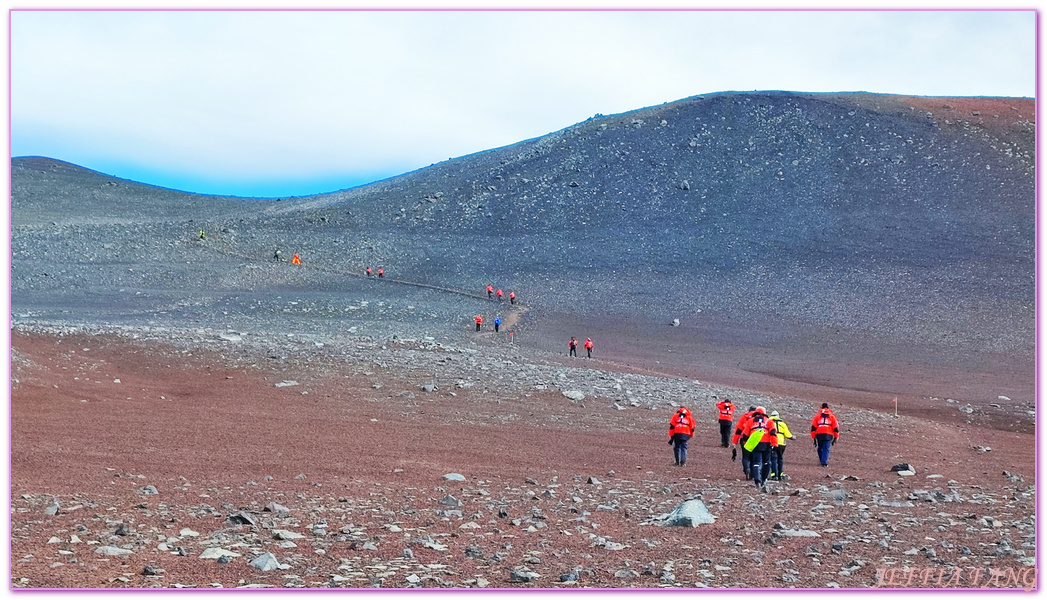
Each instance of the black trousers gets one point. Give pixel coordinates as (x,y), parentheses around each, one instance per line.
(725,432)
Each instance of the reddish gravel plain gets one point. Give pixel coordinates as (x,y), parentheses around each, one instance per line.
(552,488)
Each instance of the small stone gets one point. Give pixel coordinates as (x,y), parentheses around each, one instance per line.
(454,477)
(522,576)
(278,509)
(266,562)
(217,553)
(112,551)
(240,518)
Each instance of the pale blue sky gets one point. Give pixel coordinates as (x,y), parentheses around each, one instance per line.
(271,103)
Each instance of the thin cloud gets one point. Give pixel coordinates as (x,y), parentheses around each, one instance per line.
(216,100)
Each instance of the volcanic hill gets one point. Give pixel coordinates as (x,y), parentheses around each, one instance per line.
(858,222)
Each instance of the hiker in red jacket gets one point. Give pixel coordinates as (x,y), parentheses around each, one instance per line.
(761,437)
(490,290)
(740,439)
(573,347)
(681,428)
(589,346)
(825,430)
(725,415)
(479,321)
(512,297)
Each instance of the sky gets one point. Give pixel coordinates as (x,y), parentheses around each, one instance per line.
(268,103)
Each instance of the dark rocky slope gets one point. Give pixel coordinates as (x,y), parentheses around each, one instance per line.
(907,219)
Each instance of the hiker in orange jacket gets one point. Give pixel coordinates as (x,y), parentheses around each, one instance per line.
(295,260)
(572,347)
(381,272)
(499,294)
(825,430)
(681,428)
(479,321)
(725,410)
(740,440)
(589,346)
(761,436)
(512,297)
(490,290)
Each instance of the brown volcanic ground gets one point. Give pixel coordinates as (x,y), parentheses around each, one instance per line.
(357,452)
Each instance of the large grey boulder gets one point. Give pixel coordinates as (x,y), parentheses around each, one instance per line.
(691,513)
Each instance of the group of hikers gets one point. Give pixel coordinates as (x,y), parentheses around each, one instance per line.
(492,294)
(572,347)
(761,436)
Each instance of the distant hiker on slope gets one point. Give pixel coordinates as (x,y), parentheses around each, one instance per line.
(490,290)
(479,321)
(497,322)
(778,453)
(203,236)
(573,345)
(295,260)
(725,410)
(381,272)
(589,346)
(512,297)
(499,294)
(368,271)
(276,255)
(825,430)
(681,428)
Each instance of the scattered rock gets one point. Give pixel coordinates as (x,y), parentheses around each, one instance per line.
(522,576)
(266,562)
(574,395)
(241,518)
(795,533)
(691,513)
(277,509)
(218,553)
(454,477)
(112,551)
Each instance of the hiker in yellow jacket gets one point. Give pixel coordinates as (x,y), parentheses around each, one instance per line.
(778,452)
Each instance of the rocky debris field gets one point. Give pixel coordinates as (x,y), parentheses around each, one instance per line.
(217,461)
